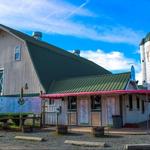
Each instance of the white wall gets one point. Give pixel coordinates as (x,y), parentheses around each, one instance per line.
(145,63)
(135,115)
(147,49)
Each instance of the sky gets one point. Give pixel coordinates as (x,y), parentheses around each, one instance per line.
(107,32)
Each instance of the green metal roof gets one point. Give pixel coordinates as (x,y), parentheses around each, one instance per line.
(53,63)
(91,83)
(141,87)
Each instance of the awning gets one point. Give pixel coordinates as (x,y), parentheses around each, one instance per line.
(118,92)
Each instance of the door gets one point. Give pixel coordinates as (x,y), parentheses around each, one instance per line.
(110,110)
(83,112)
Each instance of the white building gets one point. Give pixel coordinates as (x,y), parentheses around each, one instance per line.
(145,60)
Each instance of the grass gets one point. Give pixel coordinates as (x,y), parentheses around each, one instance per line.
(13,114)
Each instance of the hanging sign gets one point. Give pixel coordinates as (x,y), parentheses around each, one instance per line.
(21,101)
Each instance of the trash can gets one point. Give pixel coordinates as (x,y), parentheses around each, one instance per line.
(117,121)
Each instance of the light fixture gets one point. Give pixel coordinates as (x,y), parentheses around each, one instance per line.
(26,86)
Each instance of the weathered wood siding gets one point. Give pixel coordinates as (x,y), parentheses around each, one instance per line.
(91,118)
(51,112)
(96,118)
(110,106)
(17,73)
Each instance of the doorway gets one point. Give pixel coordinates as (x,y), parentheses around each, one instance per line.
(83,112)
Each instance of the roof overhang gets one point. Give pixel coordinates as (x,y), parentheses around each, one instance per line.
(113,92)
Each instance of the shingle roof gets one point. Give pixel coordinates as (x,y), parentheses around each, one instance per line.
(91,83)
(53,63)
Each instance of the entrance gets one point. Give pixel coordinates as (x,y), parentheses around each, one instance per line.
(110,110)
(83,112)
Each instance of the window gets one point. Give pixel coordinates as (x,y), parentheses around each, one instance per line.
(95,103)
(138,102)
(130,102)
(143,107)
(1,81)
(17,53)
(51,102)
(72,103)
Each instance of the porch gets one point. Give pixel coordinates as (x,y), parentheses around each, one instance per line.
(95,100)
(108,110)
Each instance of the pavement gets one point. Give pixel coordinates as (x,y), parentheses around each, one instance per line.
(118,141)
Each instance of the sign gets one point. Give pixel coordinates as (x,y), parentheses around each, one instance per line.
(21,101)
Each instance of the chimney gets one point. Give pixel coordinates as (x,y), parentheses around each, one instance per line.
(37,35)
(76,52)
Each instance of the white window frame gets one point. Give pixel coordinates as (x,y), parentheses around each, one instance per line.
(1,93)
(17,50)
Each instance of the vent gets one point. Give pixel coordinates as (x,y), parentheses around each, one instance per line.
(37,35)
(76,52)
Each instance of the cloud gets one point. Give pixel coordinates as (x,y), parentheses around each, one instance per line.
(114,61)
(78,8)
(61,17)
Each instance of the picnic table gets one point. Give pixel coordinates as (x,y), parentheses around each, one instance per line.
(18,119)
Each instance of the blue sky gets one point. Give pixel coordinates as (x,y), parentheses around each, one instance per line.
(107,32)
